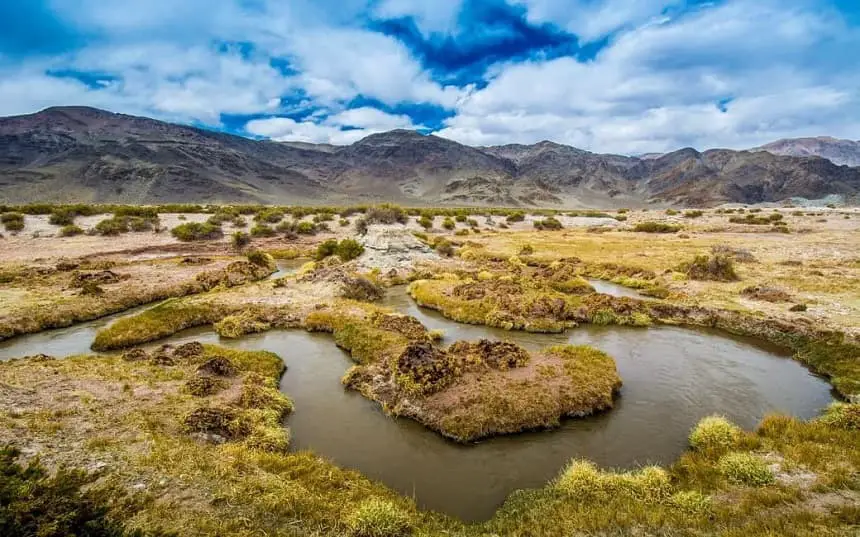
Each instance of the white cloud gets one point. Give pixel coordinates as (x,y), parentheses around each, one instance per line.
(342,128)
(438,16)
(657,87)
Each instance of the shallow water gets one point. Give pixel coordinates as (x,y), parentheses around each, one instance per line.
(672,378)
(609,288)
(285,267)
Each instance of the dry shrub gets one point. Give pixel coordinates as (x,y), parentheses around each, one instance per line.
(360,288)
(502,355)
(221,421)
(218,366)
(191,349)
(741,255)
(135,355)
(719,268)
(766,293)
(204,386)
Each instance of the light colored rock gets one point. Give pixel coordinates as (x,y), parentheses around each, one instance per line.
(392,247)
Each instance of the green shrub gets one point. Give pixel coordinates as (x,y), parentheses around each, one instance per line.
(656,227)
(843,416)
(549,222)
(671,212)
(378,518)
(460,218)
(461,232)
(62,217)
(745,469)
(527,249)
(448,223)
(349,249)
(693,214)
(715,435)
(325,249)
(240,239)
(426,222)
(262,230)
(343,222)
(306,228)
(260,258)
(515,217)
(386,214)
(196,231)
(70,230)
(12,221)
(444,247)
(472,223)
(271,216)
(112,226)
(690,501)
(583,480)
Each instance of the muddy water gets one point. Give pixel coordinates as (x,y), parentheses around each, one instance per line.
(672,378)
(609,288)
(286,267)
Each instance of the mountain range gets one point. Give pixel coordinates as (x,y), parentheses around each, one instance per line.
(80,154)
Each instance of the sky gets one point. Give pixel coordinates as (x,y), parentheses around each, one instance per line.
(620,76)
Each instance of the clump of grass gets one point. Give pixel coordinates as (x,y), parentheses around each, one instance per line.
(360,288)
(306,228)
(716,267)
(766,293)
(260,258)
(444,247)
(691,501)
(582,479)
(448,223)
(741,255)
(62,216)
(527,249)
(656,227)
(240,239)
(515,217)
(240,324)
(346,249)
(843,416)
(378,518)
(12,221)
(693,214)
(204,386)
(196,231)
(745,469)
(715,435)
(70,231)
(262,230)
(426,222)
(549,223)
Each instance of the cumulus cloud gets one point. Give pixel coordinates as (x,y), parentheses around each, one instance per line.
(342,128)
(660,86)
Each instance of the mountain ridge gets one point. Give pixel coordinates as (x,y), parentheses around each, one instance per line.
(81,154)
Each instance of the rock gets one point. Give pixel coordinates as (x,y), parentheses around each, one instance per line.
(391,248)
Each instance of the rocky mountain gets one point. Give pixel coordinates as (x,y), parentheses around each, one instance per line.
(843,152)
(83,154)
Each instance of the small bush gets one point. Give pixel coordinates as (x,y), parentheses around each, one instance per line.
(361,288)
(527,249)
(715,435)
(261,259)
(349,249)
(325,249)
(656,227)
(262,230)
(843,416)
(671,212)
(550,223)
(240,239)
(718,268)
(378,518)
(62,217)
(515,217)
(460,218)
(472,223)
(343,222)
(582,479)
(386,214)
(426,222)
(306,228)
(448,223)
(271,216)
(70,231)
(693,214)
(798,307)
(195,231)
(12,221)
(444,247)
(745,469)
(690,501)
(112,226)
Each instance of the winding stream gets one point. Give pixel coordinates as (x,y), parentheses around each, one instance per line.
(672,378)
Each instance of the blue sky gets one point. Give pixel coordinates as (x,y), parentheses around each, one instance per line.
(626,76)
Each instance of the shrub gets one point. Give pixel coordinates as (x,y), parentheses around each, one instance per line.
(426,222)
(798,307)
(693,214)
(378,518)
(386,214)
(12,221)
(671,212)
(343,222)
(549,222)
(259,258)
(461,232)
(306,228)
(583,479)
(262,230)
(112,226)
(745,469)
(460,218)
(472,223)
(515,217)
(70,230)
(448,223)
(271,216)
(690,501)
(656,227)
(62,217)
(527,249)
(361,288)
(349,249)
(718,268)
(325,249)
(444,247)
(714,435)
(741,255)
(240,239)
(196,231)
(843,416)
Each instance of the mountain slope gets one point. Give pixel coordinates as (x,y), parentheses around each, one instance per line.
(842,152)
(83,154)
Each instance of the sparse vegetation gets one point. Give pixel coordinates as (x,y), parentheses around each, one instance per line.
(195,231)
(715,267)
(549,223)
(656,227)
(12,221)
